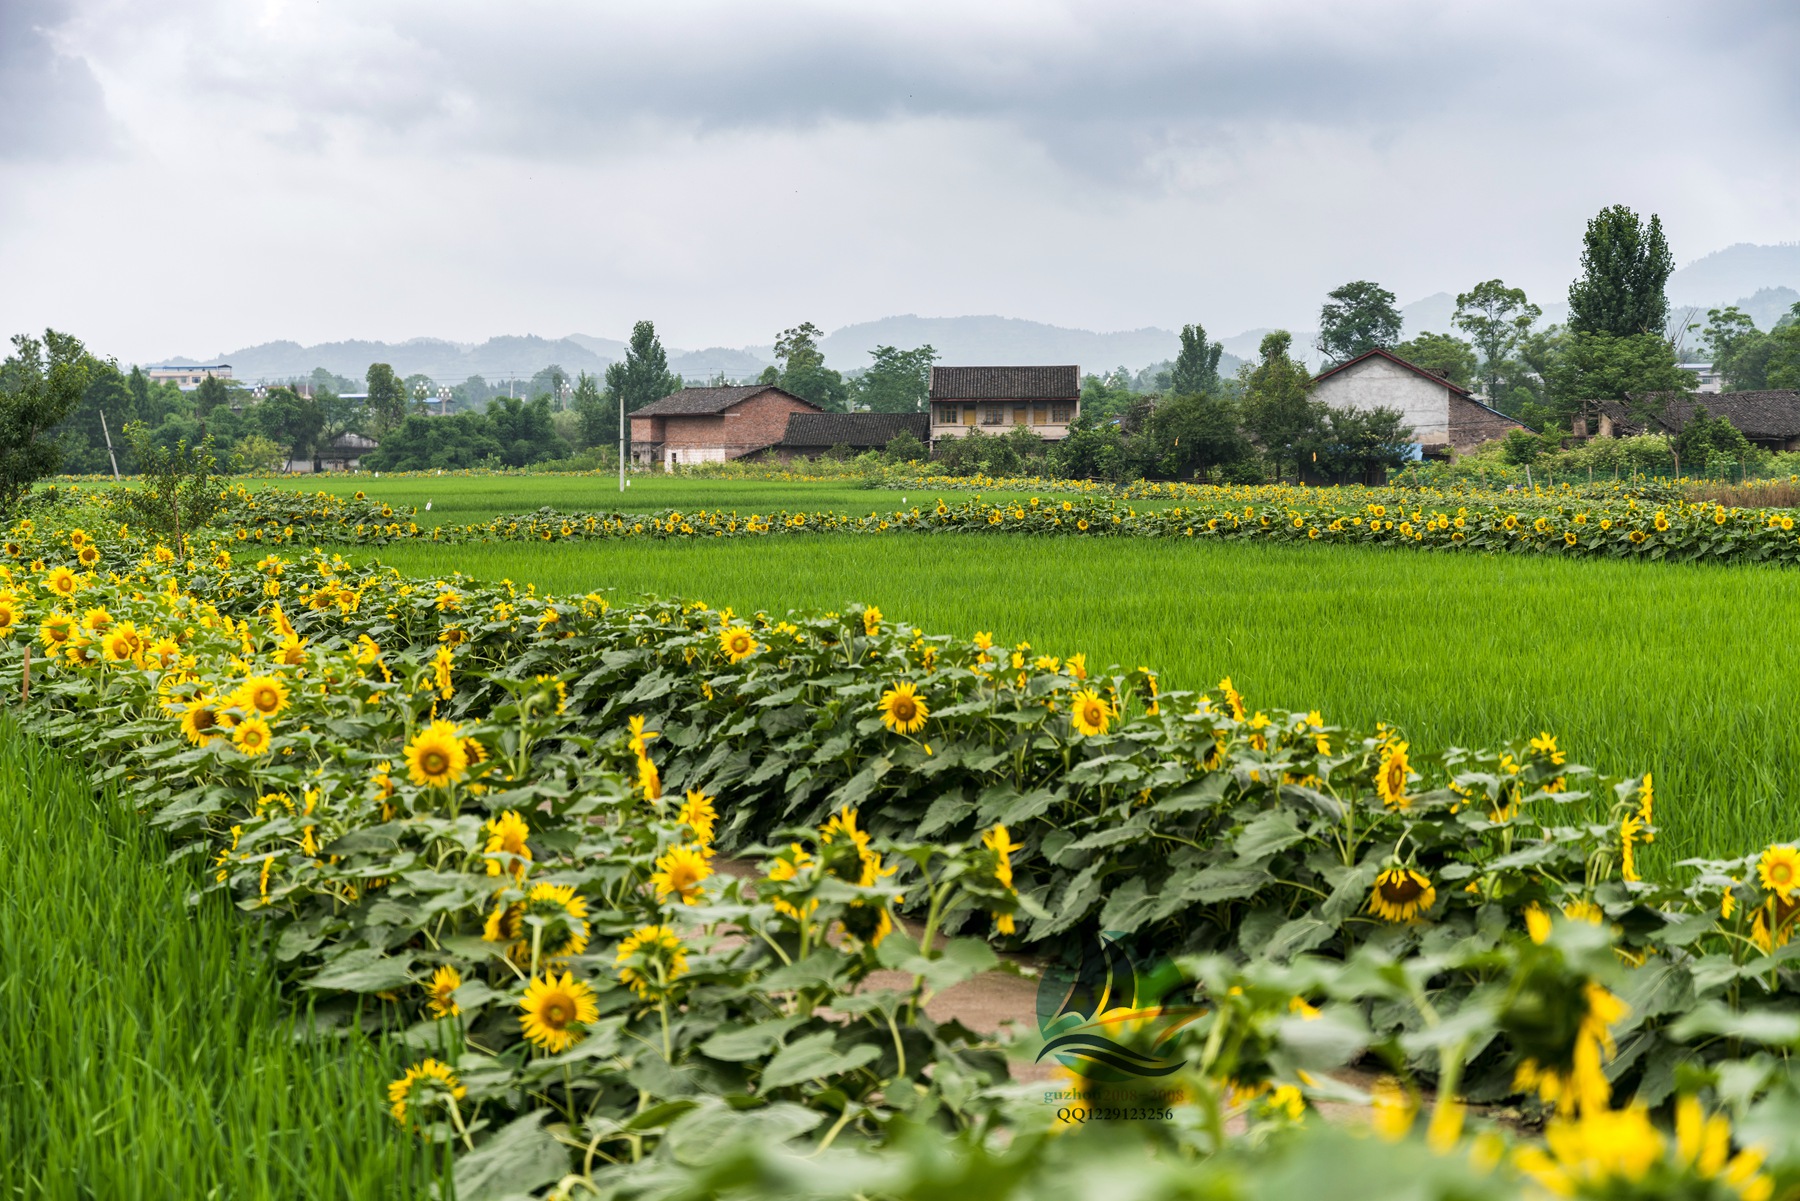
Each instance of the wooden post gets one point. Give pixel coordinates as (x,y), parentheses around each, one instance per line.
(25,680)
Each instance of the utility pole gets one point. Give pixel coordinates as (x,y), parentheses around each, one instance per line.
(621,440)
(109,446)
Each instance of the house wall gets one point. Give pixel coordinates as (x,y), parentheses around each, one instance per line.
(1376,383)
(1472,424)
(951,418)
(745,427)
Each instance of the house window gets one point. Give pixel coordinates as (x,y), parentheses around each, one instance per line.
(1062,414)
(1019,414)
(946,414)
(993,414)
(1039,414)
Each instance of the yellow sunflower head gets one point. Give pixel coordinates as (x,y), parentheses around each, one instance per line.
(1089,713)
(738,643)
(252,737)
(1401,895)
(555,1011)
(430,1084)
(441,992)
(679,872)
(903,710)
(699,815)
(435,757)
(1778,869)
(651,960)
(1391,777)
(263,695)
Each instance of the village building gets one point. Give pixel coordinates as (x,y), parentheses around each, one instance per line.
(711,425)
(343,453)
(1769,419)
(812,435)
(993,400)
(187,378)
(1444,415)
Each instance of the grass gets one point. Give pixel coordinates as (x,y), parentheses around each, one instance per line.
(1684,669)
(459,499)
(144,1049)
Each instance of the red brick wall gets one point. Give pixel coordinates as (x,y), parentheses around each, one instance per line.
(748,425)
(1471,424)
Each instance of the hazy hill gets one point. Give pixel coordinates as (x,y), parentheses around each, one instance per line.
(1007,341)
(446,362)
(1741,270)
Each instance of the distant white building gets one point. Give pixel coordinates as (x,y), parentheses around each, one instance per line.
(187,378)
(1705,378)
(1444,415)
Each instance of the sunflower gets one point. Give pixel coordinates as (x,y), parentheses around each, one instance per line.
(432,1080)
(1401,895)
(121,645)
(165,651)
(441,992)
(62,582)
(82,652)
(88,555)
(788,867)
(252,737)
(871,619)
(78,538)
(697,814)
(291,652)
(435,757)
(650,960)
(999,841)
(506,836)
(264,695)
(1778,869)
(737,643)
(9,612)
(1391,776)
(1572,1076)
(555,1010)
(679,872)
(1089,714)
(902,709)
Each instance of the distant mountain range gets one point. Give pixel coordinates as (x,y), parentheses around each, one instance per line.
(1765,280)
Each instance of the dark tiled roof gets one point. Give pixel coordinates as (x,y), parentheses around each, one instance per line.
(857,430)
(1390,356)
(1770,415)
(1005,383)
(705,402)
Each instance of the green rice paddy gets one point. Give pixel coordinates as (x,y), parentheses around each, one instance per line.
(144,1049)
(1687,670)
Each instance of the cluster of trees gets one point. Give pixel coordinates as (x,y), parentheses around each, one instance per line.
(896,381)
(1263,423)
(1748,359)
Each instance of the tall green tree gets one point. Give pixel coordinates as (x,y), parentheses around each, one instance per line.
(641,377)
(898,381)
(292,421)
(211,393)
(1739,351)
(1196,368)
(1625,264)
(1441,352)
(1783,368)
(1279,411)
(41,383)
(596,424)
(387,397)
(1197,431)
(1496,318)
(1356,318)
(803,371)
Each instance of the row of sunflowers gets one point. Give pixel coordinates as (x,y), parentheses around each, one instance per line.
(623,874)
(1625,527)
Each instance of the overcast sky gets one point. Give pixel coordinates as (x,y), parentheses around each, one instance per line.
(191,176)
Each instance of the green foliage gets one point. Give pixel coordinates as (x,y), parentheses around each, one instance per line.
(1604,367)
(178,492)
(1279,411)
(1195,431)
(387,402)
(426,443)
(1784,353)
(1496,318)
(525,430)
(598,422)
(1362,445)
(1356,318)
(1625,263)
(41,383)
(903,447)
(898,381)
(257,453)
(149,1050)
(1196,368)
(1739,351)
(290,420)
(803,371)
(1703,438)
(1446,353)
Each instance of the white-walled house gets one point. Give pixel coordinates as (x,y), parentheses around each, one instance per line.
(1443,415)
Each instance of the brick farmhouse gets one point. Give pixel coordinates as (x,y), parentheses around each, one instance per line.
(710,425)
(996,399)
(1444,416)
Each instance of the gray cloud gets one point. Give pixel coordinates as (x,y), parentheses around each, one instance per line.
(50,103)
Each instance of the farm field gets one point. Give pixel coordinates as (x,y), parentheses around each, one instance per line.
(145,1050)
(458,499)
(1680,669)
